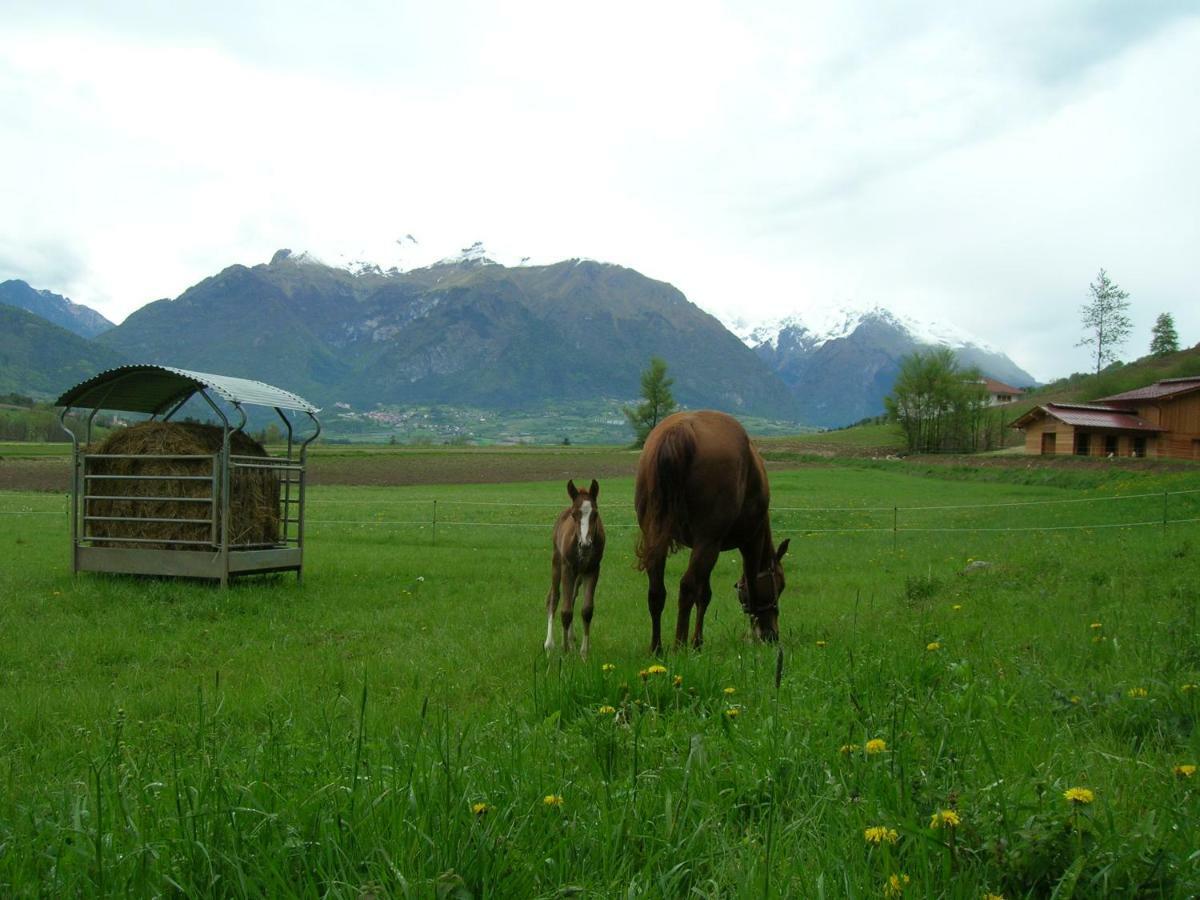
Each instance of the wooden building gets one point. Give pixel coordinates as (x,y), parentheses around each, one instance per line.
(1159,420)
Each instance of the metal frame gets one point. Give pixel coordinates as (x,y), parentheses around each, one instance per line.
(216,558)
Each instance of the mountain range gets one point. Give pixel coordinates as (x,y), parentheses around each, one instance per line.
(469,332)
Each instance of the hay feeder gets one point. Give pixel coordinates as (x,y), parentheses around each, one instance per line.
(180,498)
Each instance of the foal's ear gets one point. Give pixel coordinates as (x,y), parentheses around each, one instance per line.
(571,489)
(594,490)
(783,548)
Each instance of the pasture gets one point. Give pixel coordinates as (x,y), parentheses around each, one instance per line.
(392,727)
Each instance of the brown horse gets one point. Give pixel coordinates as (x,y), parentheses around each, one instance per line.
(701,484)
(578,549)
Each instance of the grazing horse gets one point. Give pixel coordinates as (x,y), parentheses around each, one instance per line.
(578,549)
(701,484)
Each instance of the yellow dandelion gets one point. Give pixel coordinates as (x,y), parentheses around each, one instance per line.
(1137,693)
(553,800)
(876,745)
(1076,699)
(606,710)
(729,691)
(1079,795)
(947,817)
(657,670)
(644,674)
(1188,688)
(1098,639)
(956,607)
(895,885)
(733,712)
(879,834)
(849,748)
(1095,626)
(481,809)
(608,667)
(933,645)
(1187,770)
(993,897)
(821,645)
(677,680)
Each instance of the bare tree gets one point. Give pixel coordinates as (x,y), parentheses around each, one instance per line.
(1104,319)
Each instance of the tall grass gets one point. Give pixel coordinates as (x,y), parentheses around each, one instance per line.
(392,728)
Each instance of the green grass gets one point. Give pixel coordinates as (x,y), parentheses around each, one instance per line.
(330,739)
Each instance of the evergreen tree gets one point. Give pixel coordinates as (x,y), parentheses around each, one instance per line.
(1165,339)
(1105,320)
(657,401)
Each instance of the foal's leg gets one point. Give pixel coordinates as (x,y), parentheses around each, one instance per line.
(569,589)
(694,589)
(589,605)
(656,599)
(704,568)
(552,599)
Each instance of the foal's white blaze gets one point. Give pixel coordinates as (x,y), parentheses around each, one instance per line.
(585,523)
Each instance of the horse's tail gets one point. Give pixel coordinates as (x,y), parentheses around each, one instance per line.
(661,499)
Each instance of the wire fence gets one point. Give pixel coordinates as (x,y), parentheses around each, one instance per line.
(1161,509)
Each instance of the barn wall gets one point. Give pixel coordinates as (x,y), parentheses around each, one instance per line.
(1182,419)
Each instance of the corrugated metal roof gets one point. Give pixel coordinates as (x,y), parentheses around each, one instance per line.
(1166,388)
(155,389)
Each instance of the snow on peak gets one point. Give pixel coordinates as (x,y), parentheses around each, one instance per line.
(475,254)
(814,328)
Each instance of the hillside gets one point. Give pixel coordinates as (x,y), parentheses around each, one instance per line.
(74,317)
(41,359)
(463,331)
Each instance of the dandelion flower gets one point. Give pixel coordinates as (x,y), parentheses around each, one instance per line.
(1079,795)
(876,745)
(956,607)
(481,809)
(677,680)
(606,710)
(947,817)
(657,670)
(933,645)
(821,645)
(608,667)
(730,690)
(878,834)
(1188,688)
(1187,770)
(1076,699)
(1137,693)
(733,712)
(849,748)
(993,897)
(1095,626)
(644,674)
(895,885)
(553,800)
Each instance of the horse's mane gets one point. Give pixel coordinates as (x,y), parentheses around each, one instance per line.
(662,499)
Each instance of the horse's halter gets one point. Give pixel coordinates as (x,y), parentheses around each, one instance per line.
(744,594)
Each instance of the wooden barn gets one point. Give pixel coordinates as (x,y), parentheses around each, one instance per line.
(1159,420)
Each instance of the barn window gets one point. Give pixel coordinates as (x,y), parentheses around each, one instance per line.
(1110,445)
(1083,443)
(1139,446)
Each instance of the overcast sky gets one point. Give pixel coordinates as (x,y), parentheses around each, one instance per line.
(947,162)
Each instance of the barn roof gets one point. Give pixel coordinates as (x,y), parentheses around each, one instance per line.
(999,387)
(156,389)
(1088,415)
(1168,387)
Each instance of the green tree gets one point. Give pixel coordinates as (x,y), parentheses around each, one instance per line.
(1165,339)
(1105,320)
(940,405)
(657,402)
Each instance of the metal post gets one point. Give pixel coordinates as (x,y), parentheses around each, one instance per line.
(1164,510)
(435,523)
(895,525)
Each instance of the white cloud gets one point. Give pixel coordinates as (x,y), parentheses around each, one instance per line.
(947,162)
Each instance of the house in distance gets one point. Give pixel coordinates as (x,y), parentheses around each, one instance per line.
(1159,420)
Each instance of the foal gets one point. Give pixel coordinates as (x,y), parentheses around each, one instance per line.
(578,549)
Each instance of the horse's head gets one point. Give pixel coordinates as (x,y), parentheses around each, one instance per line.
(760,601)
(585,511)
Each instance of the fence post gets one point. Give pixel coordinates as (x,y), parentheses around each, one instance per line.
(1164,510)
(435,523)
(895,525)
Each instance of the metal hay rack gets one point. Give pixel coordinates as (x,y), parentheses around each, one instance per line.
(194,504)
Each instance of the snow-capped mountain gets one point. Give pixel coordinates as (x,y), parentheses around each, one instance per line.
(842,361)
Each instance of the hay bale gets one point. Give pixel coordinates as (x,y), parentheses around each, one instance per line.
(254,493)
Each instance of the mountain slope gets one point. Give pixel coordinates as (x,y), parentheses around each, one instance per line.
(74,317)
(464,331)
(842,367)
(41,360)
